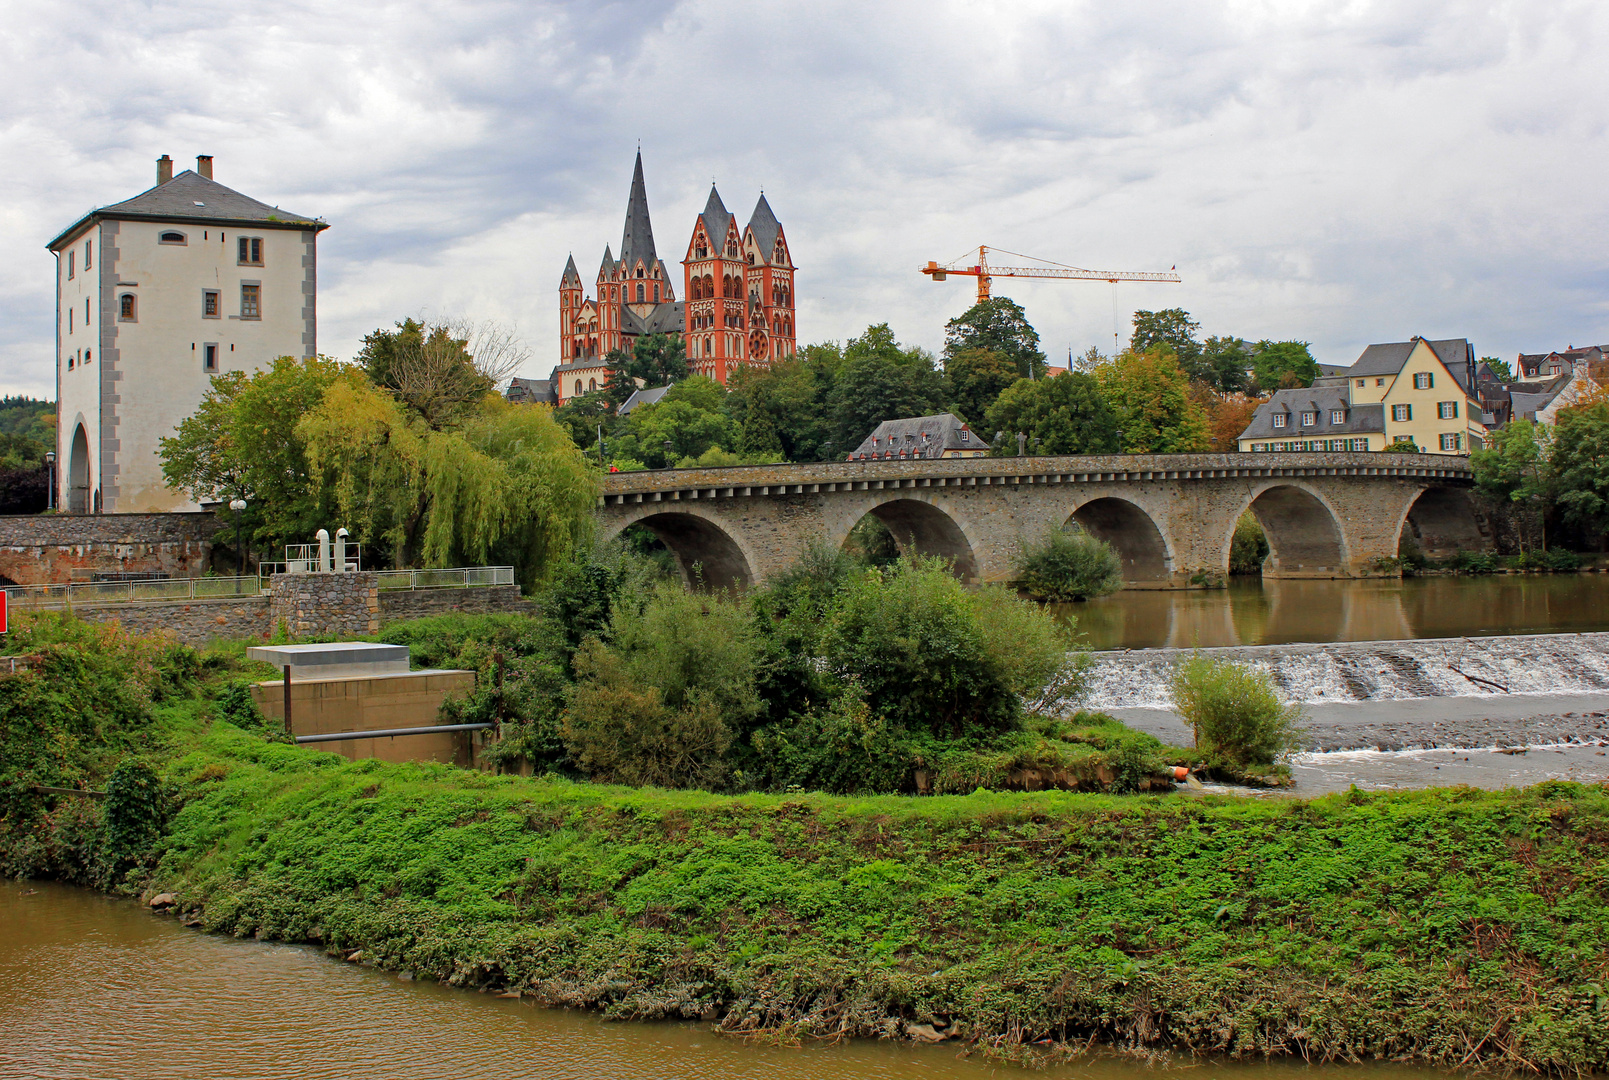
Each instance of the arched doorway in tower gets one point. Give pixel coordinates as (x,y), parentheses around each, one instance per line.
(78,473)
(1131,533)
(1440,523)
(909,526)
(708,557)
(1304,539)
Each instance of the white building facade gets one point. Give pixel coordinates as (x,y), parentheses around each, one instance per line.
(155,296)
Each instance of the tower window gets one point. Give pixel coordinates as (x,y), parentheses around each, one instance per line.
(209,357)
(209,303)
(88,355)
(251,250)
(578,386)
(89,254)
(126,308)
(251,301)
(641,292)
(72,264)
(171,238)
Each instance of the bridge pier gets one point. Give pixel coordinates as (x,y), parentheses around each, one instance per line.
(1171,518)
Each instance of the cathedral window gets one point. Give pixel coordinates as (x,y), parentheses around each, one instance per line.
(640,291)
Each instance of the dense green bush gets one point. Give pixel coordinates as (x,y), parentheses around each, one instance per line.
(1248,550)
(1235,710)
(1068,564)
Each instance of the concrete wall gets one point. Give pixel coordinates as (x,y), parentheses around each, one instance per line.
(55,548)
(1171,517)
(326,605)
(321,706)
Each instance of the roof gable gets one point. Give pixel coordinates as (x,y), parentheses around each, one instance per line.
(193,197)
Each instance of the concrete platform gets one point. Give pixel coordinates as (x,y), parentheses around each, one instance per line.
(336,659)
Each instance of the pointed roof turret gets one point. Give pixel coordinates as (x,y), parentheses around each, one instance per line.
(607,270)
(571,277)
(637,240)
(764,225)
(716,218)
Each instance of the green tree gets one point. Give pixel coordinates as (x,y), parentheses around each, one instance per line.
(783,408)
(1224,364)
(997,325)
(428,367)
(619,384)
(1580,466)
(1151,396)
(1174,330)
(1513,469)
(1499,368)
(975,378)
(691,417)
(880,381)
(582,416)
(243,441)
(659,359)
(1067,414)
(1280,365)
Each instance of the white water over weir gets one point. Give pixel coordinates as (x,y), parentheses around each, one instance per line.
(1376,670)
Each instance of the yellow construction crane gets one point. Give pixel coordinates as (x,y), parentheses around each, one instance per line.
(985,272)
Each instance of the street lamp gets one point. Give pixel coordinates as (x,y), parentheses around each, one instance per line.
(667,453)
(239,507)
(50,492)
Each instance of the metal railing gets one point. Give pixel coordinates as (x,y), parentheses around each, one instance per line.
(126,592)
(458,578)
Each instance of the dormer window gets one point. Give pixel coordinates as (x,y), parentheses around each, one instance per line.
(1280,419)
(1309,419)
(172,238)
(1337,416)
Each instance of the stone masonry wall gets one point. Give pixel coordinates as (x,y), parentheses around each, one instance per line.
(40,549)
(326,605)
(399,604)
(194,622)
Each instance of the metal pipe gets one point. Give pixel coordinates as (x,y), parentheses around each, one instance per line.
(287,699)
(390,733)
(340,551)
(323,552)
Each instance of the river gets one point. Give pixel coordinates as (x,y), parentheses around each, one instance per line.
(92,987)
(1253,612)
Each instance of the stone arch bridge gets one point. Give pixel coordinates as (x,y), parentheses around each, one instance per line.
(1171,517)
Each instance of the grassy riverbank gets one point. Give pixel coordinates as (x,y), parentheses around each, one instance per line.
(1454,927)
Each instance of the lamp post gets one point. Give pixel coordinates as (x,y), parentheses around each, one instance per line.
(239,507)
(667,454)
(50,492)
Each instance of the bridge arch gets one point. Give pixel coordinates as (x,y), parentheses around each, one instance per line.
(1305,538)
(1442,521)
(920,527)
(1131,532)
(709,556)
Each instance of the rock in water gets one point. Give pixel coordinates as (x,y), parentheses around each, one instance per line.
(163,900)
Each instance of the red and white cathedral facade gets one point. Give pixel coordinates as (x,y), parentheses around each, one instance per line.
(737,288)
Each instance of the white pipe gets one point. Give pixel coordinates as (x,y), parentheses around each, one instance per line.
(340,550)
(323,552)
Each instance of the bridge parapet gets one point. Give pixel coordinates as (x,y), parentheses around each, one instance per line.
(1170,516)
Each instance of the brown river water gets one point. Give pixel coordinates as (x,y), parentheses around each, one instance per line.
(1252,612)
(94,988)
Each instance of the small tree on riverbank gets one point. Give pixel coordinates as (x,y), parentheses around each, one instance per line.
(1235,711)
(1065,565)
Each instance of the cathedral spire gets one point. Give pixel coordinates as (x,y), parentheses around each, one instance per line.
(637,241)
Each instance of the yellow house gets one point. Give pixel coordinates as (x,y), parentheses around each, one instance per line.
(1415,390)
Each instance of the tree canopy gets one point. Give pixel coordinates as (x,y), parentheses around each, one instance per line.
(1282,365)
(880,381)
(1000,326)
(1150,394)
(1068,414)
(976,378)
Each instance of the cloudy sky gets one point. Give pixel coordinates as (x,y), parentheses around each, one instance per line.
(1337,172)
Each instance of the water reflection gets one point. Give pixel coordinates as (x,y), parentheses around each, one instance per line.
(1251,612)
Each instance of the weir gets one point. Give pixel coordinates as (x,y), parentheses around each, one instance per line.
(1376,670)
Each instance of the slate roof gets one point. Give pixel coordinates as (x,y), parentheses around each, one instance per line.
(531,391)
(903,438)
(1360,419)
(570,274)
(716,219)
(637,239)
(1530,398)
(642,397)
(763,223)
(192,197)
(664,319)
(1387,359)
(606,270)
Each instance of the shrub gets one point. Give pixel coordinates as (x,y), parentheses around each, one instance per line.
(1235,710)
(135,817)
(234,705)
(1249,548)
(1561,561)
(1473,562)
(933,657)
(1068,565)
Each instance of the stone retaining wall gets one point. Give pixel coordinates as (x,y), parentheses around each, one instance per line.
(326,605)
(37,549)
(399,604)
(194,622)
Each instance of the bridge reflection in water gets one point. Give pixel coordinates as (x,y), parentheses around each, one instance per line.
(1250,612)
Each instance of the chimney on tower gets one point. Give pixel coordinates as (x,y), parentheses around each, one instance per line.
(164,169)
(204,165)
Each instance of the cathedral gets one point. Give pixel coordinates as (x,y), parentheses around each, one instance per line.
(737,289)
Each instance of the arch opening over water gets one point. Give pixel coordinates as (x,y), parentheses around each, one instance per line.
(1131,533)
(1442,522)
(922,528)
(1304,539)
(708,557)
